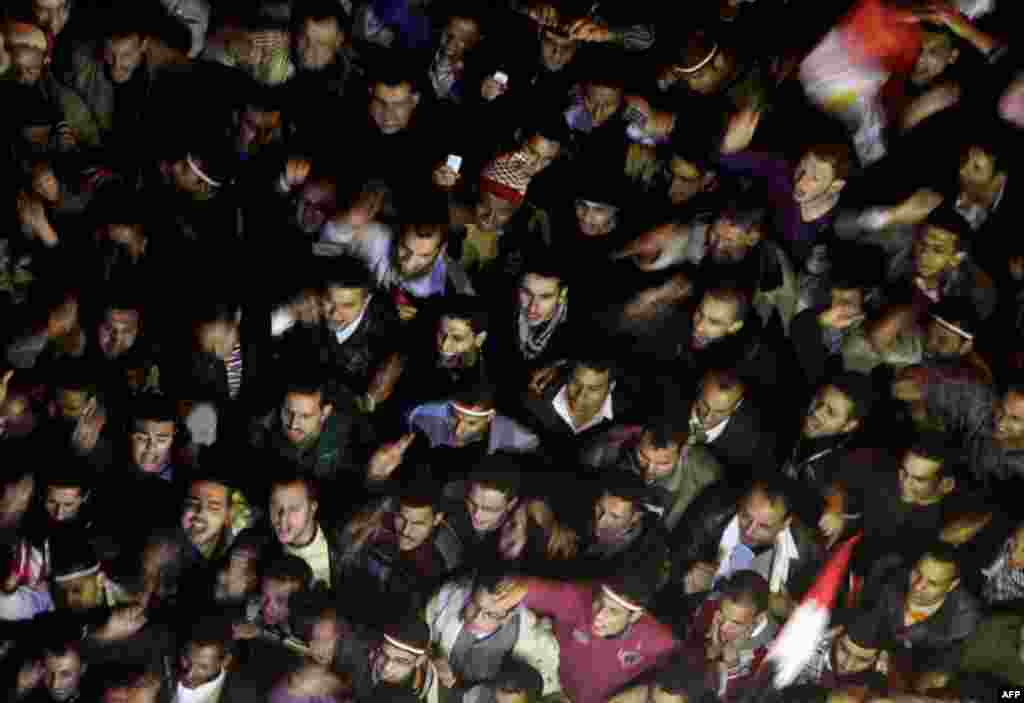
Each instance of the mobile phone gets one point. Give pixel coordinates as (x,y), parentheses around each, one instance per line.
(454,162)
(501,78)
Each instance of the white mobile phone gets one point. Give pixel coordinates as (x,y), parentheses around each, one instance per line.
(501,78)
(454,162)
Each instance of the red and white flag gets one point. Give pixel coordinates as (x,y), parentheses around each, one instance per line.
(795,644)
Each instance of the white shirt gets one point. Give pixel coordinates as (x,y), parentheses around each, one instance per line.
(317,555)
(716,431)
(207,693)
(561,404)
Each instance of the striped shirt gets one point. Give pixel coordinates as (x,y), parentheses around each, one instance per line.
(234,367)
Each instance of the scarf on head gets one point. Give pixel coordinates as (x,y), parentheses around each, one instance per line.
(533,340)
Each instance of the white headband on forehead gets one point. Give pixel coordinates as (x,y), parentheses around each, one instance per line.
(701,64)
(77,574)
(471,412)
(953,328)
(624,602)
(199,172)
(403,646)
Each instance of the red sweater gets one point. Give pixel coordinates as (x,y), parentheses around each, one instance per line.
(750,659)
(591,668)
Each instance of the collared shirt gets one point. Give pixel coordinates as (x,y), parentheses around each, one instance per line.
(561,404)
(207,693)
(709,435)
(317,555)
(977,215)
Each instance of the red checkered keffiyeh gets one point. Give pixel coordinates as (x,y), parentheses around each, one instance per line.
(507,177)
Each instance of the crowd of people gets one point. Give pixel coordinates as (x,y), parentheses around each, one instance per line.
(509,351)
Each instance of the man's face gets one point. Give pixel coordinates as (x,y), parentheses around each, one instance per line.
(460,37)
(123,55)
(237,578)
(716,403)
(83,593)
(849,658)
(588,389)
(63,504)
(602,101)
(487,507)
(709,78)
(274,600)
(493,212)
(655,463)
(393,665)
(610,618)
(63,675)
(613,518)
(342,306)
(318,44)
(469,428)
(1016,559)
(595,219)
(325,635)
(206,512)
(392,107)
(27,63)
(188,181)
(503,696)
(943,343)
(556,52)
(735,622)
(200,664)
(456,340)
(977,167)
(538,297)
(729,243)
(761,519)
(937,54)
(931,581)
(151,444)
(831,414)
(1009,417)
(540,153)
(130,237)
(14,502)
(688,181)
(814,177)
(713,320)
(317,202)
(45,183)
(118,331)
(921,480)
(481,614)
(415,255)
(71,402)
(936,251)
(293,514)
(218,338)
(415,526)
(17,418)
(51,15)
(303,416)
(257,128)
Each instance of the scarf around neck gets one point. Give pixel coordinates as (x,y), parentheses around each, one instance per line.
(534,340)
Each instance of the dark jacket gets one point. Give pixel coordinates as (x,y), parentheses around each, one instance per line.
(936,641)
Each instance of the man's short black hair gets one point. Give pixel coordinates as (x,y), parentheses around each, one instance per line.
(943,553)
(747,588)
(665,432)
(342,272)
(476,395)
(307,608)
(858,389)
(550,126)
(319,11)
(394,68)
(937,447)
(542,263)
(211,630)
(289,568)
(519,677)
(422,492)
(627,486)
(310,382)
(597,364)
(468,308)
(500,472)
(154,408)
(775,488)
(288,476)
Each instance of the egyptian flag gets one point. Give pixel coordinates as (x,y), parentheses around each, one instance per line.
(853,62)
(795,644)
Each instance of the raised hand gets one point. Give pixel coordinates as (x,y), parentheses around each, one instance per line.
(388,457)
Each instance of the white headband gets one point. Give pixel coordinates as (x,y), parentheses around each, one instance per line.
(199,172)
(625,603)
(77,574)
(471,412)
(953,328)
(402,645)
(701,64)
